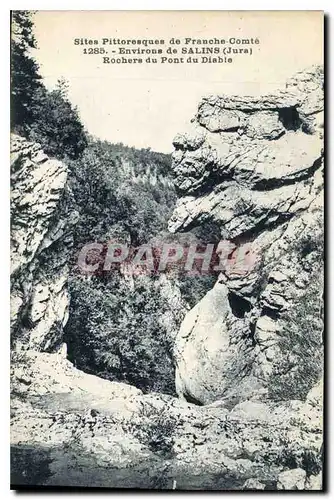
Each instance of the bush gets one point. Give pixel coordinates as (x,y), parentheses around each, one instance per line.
(156,430)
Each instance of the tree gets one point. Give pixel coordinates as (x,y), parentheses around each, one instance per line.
(56,124)
(25,78)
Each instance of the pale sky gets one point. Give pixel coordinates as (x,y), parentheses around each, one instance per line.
(147,105)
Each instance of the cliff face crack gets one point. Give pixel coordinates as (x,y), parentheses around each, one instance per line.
(262,226)
(294,178)
(239,305)
(290,118)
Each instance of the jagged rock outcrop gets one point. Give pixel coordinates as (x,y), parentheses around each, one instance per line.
(253,167)
(41,220)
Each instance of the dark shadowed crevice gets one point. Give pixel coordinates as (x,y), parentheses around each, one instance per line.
(239,305)
(303,175)
(271,313)
(263,225)
(289,117)
(252,328)
(191,399)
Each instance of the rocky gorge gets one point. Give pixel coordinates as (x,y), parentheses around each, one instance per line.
(248,356)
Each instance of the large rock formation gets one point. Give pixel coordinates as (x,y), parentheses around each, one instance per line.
(253,167)
(41,220)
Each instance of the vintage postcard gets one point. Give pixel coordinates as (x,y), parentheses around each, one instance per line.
(167,243)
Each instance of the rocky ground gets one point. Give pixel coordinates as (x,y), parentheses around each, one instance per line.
(81,428)
(249,412)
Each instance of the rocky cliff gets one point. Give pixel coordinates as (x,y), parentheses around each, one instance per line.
(41,220)
(249,354)
(253,167)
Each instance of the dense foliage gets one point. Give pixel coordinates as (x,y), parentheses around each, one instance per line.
(56,124)
(114,329)
(41,115)
(300,363)
(120,192)
(25,79)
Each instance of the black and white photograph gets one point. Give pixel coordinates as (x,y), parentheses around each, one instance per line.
(167,250)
